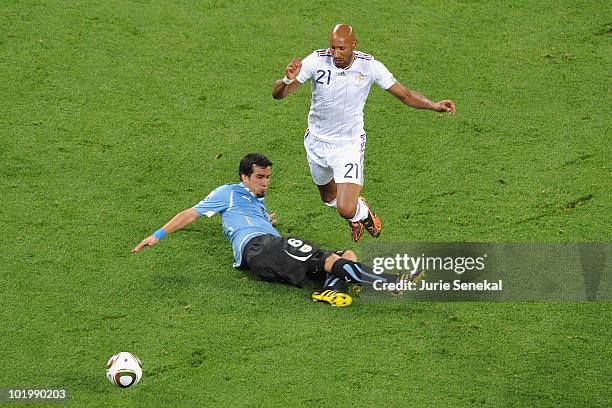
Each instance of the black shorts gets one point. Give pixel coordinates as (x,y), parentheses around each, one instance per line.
(284,260)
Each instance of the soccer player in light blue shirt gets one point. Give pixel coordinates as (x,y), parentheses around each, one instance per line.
(258,246)
(243,214)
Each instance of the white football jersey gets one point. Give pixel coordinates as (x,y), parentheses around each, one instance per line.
(339,95)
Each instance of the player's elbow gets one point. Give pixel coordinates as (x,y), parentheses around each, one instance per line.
(191,215)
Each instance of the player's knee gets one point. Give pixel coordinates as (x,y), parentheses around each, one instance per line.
(349,255)
(347,210)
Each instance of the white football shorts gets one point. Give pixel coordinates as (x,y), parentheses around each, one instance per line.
(342,162)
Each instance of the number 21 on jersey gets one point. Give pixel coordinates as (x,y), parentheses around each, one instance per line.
(322,75)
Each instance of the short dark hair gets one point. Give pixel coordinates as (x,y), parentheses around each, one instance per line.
(247,162)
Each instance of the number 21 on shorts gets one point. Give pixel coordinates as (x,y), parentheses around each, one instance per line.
(352,168)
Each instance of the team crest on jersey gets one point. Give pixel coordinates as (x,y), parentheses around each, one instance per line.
(359,78)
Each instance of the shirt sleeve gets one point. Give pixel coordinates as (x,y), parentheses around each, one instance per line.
(382,76)
(309,65)
(217,201)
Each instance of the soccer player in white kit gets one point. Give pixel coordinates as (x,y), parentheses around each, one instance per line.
(335,139)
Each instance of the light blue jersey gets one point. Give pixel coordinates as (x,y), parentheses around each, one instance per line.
(243,215)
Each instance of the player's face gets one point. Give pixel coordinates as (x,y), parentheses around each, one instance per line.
(342,49)
(258,181)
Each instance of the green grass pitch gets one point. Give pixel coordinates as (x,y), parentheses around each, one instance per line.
(115,115)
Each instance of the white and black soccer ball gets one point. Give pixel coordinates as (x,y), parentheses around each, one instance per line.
(124,369)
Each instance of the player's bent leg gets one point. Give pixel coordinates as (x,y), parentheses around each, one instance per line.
(328,193)
(329,262)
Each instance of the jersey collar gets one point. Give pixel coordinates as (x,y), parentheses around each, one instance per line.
(241,184)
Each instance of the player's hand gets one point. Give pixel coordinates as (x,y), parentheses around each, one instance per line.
(446,106)
(272,218)
(148,241)
(293,69)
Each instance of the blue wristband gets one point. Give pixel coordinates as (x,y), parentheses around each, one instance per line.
(160,233)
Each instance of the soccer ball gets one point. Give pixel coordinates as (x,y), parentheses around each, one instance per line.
(124,369)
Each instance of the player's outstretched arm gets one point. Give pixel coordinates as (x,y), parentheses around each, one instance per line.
(283,87)
(416,100)
(179,221)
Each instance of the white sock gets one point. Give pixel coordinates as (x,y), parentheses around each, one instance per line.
(362,211)
(332,204)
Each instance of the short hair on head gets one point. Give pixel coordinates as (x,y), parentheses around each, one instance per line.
(247,162)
